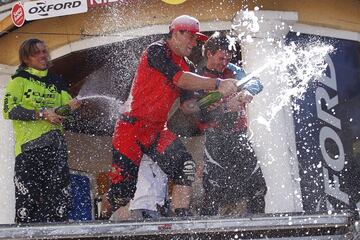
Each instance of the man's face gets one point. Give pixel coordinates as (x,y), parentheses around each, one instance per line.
(219,60)
(185,41)
(40,60)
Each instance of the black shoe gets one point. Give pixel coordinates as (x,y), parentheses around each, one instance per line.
(183,212)
(141,214)
(165,210)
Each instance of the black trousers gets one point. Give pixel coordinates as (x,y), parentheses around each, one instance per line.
(175,161)
(231,173)
(42,185)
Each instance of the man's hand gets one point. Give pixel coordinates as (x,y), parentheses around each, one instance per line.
(214,106)
(75,104)
(190,106)
(244,96)
(233,102)
(227,87)
(52,117)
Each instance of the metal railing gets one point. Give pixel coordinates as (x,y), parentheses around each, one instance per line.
(285,226)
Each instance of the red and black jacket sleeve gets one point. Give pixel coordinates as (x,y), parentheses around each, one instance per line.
(159,57)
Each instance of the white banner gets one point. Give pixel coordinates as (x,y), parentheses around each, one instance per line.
(53,8)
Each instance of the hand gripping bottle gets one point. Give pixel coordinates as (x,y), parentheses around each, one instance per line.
(64,110)
(210,98)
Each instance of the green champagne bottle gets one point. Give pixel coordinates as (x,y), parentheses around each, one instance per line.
(210,98)
(64,110)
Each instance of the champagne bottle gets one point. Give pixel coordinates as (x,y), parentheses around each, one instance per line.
(210,98)
(64,110)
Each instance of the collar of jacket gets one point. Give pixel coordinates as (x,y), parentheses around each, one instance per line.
(213,72)
(39,73)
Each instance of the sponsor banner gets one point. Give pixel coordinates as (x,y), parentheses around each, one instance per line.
(328,130)
(18,14)
(53,8)
(96,3)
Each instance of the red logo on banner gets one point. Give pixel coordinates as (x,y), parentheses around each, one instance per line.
(18,14)
(95,3)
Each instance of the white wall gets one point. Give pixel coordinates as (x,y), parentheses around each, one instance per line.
(7,157)
(274,141)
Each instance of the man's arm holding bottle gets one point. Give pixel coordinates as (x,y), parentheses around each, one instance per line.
(207,104)
(193,81)
(244,92)
(14,106)
(58,114)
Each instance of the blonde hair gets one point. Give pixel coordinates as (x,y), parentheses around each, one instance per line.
(28,48)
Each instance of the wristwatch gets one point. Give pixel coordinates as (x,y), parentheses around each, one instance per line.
(217,83)
(41,113)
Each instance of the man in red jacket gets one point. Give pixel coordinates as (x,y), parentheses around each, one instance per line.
(163,70)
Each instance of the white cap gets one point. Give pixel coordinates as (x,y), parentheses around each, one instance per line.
(187,23)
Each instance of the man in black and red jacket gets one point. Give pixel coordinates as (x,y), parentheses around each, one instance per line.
(163,70)
(233,181)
